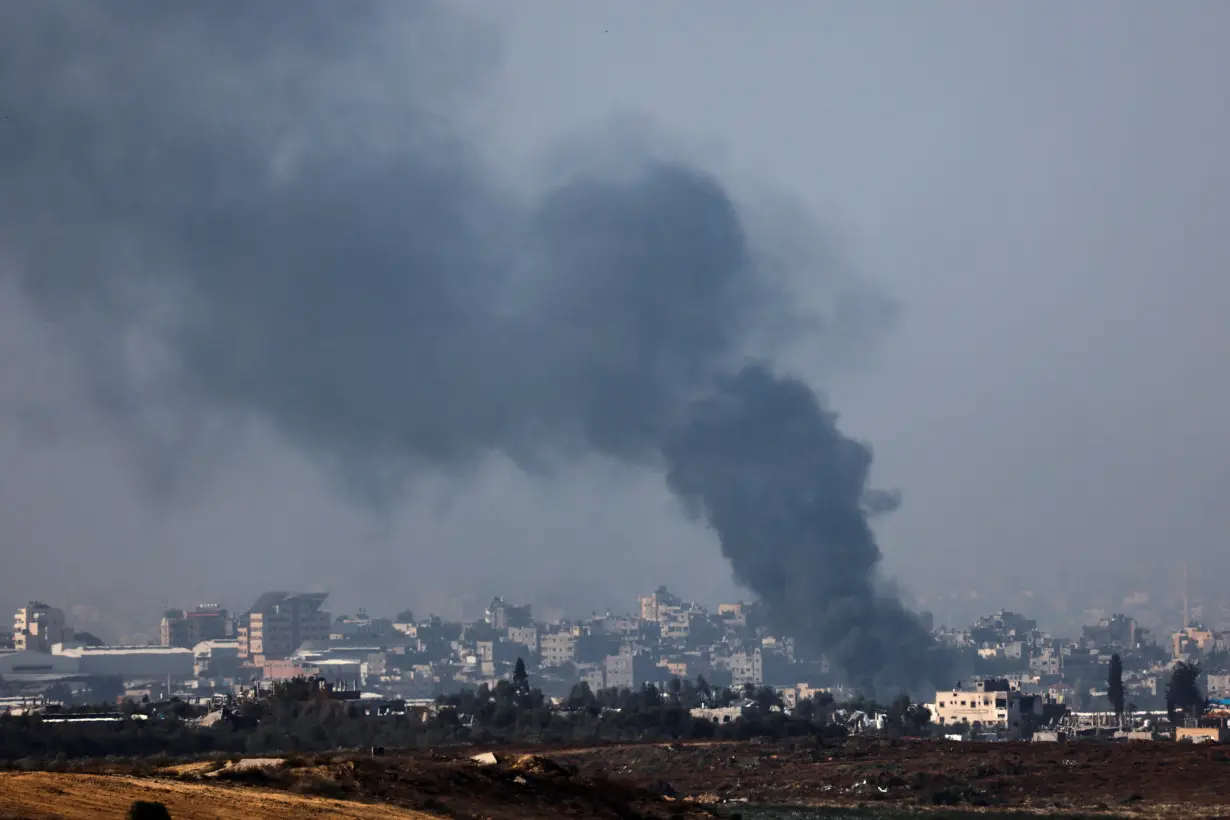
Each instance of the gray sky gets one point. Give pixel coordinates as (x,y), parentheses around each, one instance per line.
(1041,188)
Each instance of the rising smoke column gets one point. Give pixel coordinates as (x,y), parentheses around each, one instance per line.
(765,464)
(242,214)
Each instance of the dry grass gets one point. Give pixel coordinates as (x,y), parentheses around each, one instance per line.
(46,795)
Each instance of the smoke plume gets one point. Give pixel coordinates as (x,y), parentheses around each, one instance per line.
(245,212)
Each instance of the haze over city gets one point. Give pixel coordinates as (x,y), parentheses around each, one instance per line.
(992,237)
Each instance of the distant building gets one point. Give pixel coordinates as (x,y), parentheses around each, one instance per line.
(279,623)
(631,671)
(1046,662)
(216,658)
(1115,632)
(992,703)
(361,627)
(1192,638)
(558,648)
(747,668)
(653,606)
(1218,685)
(186,629)
(502,615)
(527,636)
(131,662)
(25,666)
(37,627)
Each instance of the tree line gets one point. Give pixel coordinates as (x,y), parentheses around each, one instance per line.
(304,715)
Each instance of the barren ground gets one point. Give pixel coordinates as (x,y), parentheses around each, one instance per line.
(667,781)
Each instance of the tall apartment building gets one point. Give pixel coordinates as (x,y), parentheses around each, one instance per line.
(279,623)
(36,627)
(208,622)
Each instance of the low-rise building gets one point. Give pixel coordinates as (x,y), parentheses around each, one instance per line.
(991,703)
(131,662)
(558,648)
(216,658)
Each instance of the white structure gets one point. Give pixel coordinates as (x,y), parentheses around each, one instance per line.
(36,627)
(16,665)
(990,704)
(217,658)
(131,662)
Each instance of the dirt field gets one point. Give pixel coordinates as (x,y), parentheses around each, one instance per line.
(44,795)
(668,782)
(1132,780)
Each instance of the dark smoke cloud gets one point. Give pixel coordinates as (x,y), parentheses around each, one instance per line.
(763,461)
(257,213)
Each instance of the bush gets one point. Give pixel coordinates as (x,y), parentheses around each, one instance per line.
(148,810)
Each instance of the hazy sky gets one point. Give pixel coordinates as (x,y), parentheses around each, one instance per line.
(1042,189)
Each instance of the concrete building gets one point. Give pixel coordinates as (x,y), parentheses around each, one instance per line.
(631,671)
(15,666)
(217,658)
(1191,638)
(185,628)
(131,662)
(992,703)
(37,627)
(1218,685)
(747,668)
(1046,662)
(558,648)
(361,627)
(1115,632)
(501,614)
(526,636)
(279,623)
(652,605)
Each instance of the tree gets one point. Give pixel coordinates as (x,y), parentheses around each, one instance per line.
(1183,693)
(521,678)
(1114,685)
(88,639)
(406,616)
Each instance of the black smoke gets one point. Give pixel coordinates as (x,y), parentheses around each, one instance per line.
(263,212)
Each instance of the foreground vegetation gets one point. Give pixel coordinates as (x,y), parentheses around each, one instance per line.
(306,716)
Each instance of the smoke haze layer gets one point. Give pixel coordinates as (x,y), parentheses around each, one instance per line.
(241,216)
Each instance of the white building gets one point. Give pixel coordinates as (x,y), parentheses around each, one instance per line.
(16,665)
(989,704)
(131,662)
(217,658)
(36,627)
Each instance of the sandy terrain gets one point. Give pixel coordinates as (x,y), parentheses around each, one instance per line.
(45,795)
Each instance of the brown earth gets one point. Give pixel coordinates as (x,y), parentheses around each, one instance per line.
(46,795)
(1139,779)
(686,781)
